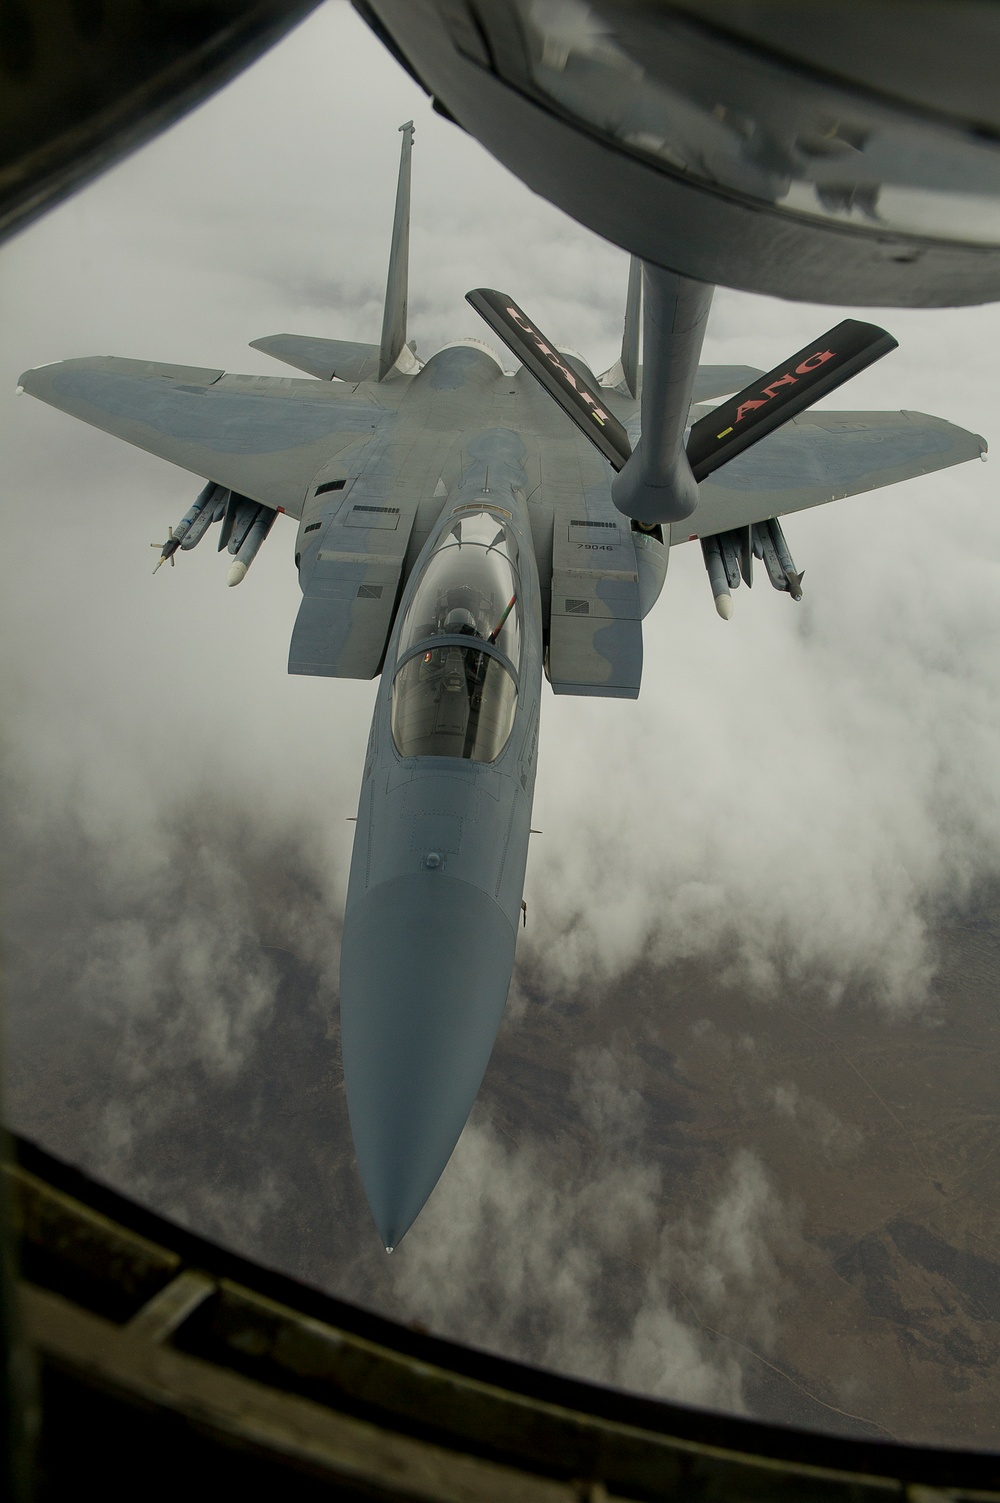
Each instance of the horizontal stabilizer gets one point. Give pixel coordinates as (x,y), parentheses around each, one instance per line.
(772,400)
(324,358)
(714,381)
(581,402)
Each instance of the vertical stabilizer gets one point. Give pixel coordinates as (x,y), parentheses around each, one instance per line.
(394,318)
(630,333)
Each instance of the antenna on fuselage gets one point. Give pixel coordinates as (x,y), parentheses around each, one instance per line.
(394,317)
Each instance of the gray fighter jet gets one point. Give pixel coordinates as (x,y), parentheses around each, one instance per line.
(463,530)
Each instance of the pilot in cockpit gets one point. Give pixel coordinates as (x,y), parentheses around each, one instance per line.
(451,668)
(461,623)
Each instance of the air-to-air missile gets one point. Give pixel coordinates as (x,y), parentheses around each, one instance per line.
(718,576)
(461,529)
(729,558)
(245,525)
(193,525)
(250,546)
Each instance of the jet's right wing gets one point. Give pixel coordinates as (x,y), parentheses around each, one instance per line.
(261,436)
(824,456)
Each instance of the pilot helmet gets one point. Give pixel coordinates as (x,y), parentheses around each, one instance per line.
(460,622)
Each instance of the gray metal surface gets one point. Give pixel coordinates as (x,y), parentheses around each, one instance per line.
(261,436)
(700,183)
(437,875)
(325,358)
(394,315)
(719,380)
(824,456)
(630,331)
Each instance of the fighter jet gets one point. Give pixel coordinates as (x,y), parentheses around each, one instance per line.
(465,530)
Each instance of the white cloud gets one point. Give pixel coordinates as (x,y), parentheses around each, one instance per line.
(818,1122)
(591,1267)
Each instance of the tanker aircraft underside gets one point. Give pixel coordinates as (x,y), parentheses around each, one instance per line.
(463,530)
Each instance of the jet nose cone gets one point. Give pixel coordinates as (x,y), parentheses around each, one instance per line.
(424,974)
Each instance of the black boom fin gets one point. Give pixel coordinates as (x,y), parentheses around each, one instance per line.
(774,399)
(581,402)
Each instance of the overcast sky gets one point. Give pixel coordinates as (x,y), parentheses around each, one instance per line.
(802,788)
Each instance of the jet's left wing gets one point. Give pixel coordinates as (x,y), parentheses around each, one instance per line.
(261,436)
(824,456)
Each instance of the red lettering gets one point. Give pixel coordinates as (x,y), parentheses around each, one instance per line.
(598,412)
(814,362)
(785,380)
(748,407)
(543,349)
(566,372)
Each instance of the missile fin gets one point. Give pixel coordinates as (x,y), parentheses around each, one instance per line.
(785,560)
(746,556)
(730,555)
(772,563)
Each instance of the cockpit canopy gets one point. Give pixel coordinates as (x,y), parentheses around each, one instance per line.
(469,588)
(454,698)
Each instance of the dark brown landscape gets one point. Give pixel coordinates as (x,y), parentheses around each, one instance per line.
(796,1199)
